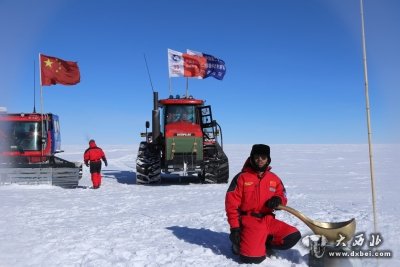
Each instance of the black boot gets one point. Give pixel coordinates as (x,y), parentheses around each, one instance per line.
(268,248)
(288,242)
(235,249)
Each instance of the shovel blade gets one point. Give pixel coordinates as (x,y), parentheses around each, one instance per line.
(333,231)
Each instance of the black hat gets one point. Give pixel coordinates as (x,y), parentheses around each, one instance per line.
(260,149)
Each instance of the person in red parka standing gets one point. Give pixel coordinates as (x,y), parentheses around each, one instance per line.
(250,202)
(94,155)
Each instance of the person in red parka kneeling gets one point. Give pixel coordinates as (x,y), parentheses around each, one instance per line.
(93,156)
(250,202)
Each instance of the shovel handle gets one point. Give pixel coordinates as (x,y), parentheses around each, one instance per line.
(298,214)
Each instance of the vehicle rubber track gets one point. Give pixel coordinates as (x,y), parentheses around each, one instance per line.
(148,164)
(216,166)
(54,171)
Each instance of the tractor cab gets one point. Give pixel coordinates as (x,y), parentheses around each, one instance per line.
(28,144)
(180,113)
(187,114)
(22,137)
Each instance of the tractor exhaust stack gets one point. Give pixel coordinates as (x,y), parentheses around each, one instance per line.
(155,119)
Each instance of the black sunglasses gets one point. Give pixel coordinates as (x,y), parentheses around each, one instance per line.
(263,157)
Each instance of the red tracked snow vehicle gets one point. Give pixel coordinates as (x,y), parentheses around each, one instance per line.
(27,154)
(183,141)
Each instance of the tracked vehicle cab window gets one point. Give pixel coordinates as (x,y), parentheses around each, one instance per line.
(22,135)
(180,113)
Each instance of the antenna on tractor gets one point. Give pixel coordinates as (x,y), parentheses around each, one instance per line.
(148,72)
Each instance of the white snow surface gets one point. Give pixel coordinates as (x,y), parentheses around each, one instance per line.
(171,224)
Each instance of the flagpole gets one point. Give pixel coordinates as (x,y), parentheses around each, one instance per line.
(41,104)
(170,86)
(169,75)
(371,165)
(187,87)
(34,86)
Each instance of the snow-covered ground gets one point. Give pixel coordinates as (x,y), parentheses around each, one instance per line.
(124,224)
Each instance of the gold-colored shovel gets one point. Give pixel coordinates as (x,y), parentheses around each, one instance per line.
(330,230)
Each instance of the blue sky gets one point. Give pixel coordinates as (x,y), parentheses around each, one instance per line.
(294,67)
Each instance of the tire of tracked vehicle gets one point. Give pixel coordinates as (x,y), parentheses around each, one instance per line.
(148,164)
(216,169)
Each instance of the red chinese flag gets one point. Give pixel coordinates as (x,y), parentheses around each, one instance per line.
(55,70)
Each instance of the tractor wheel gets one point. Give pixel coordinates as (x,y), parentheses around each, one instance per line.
(148,164)
(216,168)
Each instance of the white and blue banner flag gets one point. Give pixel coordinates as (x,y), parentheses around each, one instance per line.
(215,66)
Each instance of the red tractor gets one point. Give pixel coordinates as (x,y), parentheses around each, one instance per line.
(28,144)
(183,141)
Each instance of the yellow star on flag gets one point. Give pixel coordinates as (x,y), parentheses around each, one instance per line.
(48,63)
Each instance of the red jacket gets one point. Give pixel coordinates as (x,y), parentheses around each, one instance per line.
(94,153)
(248,193)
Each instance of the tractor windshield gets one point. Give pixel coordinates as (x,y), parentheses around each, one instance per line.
(180,113)
(20,135)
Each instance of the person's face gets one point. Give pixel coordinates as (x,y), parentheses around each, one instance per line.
(260,160)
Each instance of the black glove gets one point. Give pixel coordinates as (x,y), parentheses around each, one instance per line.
(87,164)
(235,236)
(273,202)
(105,163)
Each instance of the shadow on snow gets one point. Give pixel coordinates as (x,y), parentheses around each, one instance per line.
(218,242)
(129,177)
(174,179)
(122,177)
